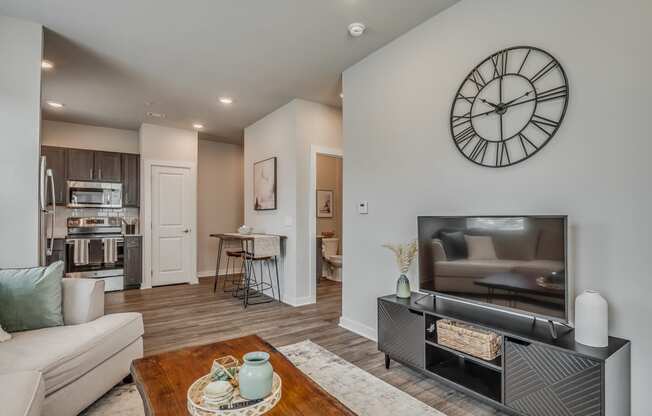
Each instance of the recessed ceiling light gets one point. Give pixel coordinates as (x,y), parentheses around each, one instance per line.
(357,29)
(226,100)
(54,104)
(342,95)
(45,64)
(155,115)
(198,126)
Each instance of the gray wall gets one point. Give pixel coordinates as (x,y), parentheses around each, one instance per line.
(400,157)
(21,45)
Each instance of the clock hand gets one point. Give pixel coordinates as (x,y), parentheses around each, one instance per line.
(489,102)
(518,98)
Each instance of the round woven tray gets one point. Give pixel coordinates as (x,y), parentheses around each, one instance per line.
(196,402)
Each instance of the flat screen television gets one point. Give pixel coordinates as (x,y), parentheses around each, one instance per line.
(516,263)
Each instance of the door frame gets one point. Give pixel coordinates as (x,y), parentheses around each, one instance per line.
(146,216)
(312,212)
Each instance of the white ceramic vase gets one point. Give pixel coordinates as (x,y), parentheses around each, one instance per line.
(591,319)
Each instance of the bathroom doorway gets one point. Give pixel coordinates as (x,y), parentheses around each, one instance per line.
(326,224)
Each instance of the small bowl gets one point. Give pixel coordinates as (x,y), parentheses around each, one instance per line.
(245,230)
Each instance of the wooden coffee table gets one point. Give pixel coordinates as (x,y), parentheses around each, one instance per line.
(163,379)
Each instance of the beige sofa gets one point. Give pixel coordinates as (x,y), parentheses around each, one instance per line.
(60,371)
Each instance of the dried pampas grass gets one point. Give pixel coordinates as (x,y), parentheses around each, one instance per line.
(405,254)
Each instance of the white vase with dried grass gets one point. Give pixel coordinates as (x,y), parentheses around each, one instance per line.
(405,254)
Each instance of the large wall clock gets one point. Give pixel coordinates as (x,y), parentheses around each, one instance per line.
(509,106)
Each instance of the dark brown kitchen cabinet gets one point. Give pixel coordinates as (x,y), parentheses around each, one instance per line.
(56,161)
(130,180)
(81,165)
(133,271)
(107,167)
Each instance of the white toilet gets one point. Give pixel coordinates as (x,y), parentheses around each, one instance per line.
(332,269)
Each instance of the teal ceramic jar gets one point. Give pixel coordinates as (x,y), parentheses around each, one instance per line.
(255,376)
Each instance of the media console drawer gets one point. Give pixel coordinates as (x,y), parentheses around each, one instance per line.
(542,380)
(401,333)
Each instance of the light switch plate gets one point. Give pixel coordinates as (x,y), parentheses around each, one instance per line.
(363,207)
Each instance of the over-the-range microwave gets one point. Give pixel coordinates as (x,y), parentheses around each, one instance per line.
(93,194)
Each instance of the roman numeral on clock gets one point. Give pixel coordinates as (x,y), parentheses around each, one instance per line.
(499,62)
(465,98)
(544,124)
(465,135)
(502,154)
(479,150)
(477,79)
(460,120)
(552,94)
(543,71)
(526,144)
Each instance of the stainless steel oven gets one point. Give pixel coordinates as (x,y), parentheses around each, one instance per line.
(88,254)
(93,194)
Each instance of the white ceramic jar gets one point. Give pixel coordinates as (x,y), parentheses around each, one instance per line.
(591,319)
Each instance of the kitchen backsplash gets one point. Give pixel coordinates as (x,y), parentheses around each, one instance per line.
(60,229)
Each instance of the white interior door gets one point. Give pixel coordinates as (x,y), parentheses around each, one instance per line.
(171,225)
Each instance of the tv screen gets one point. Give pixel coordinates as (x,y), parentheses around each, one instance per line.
(516,263)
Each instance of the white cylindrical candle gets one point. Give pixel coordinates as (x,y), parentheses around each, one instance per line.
(591,319)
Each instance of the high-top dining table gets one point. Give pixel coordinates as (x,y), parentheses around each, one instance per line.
(247,242)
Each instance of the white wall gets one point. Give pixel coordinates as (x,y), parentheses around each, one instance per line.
(165,144)
(220,200)
(288,134)
(317,125)
(275,136)
(82,136)
(21,45)
(401,158)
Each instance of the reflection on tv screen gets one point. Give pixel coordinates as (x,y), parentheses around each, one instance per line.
(512,262)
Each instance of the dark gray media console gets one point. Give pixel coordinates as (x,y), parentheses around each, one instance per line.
(536,375)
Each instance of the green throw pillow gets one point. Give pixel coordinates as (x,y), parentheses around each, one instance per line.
(31,298)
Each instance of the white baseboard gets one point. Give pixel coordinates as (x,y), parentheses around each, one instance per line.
(209,273)
(296,302)
(359,328)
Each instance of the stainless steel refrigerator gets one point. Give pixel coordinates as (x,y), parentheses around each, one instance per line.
(47,212)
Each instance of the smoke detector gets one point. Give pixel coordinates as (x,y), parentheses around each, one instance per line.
(357,29)
(155,115)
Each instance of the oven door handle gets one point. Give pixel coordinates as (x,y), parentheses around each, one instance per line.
(72,240)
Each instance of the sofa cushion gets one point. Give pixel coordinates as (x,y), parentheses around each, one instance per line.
(454,244)
(65,353)
(31,298)
(21,393)
(481,247)
(474,268)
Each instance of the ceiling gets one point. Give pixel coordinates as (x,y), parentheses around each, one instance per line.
(116,61)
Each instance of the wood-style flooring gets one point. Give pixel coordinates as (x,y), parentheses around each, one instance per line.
(183,315)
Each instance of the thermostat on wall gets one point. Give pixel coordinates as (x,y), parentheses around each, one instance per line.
(363,207)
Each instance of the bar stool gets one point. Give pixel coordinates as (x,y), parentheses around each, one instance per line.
(251,286)
(232,278)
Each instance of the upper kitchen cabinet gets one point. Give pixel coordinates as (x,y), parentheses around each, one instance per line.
(56,161)
(81,165)
(108,167)
(130,180)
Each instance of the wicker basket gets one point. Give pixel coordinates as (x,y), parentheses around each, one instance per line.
(196,406)
(470,340)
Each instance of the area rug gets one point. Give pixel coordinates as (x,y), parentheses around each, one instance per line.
(360,391)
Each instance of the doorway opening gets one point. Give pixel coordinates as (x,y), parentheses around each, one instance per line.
(326,225)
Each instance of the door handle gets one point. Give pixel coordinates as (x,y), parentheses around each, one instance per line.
(187,230)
